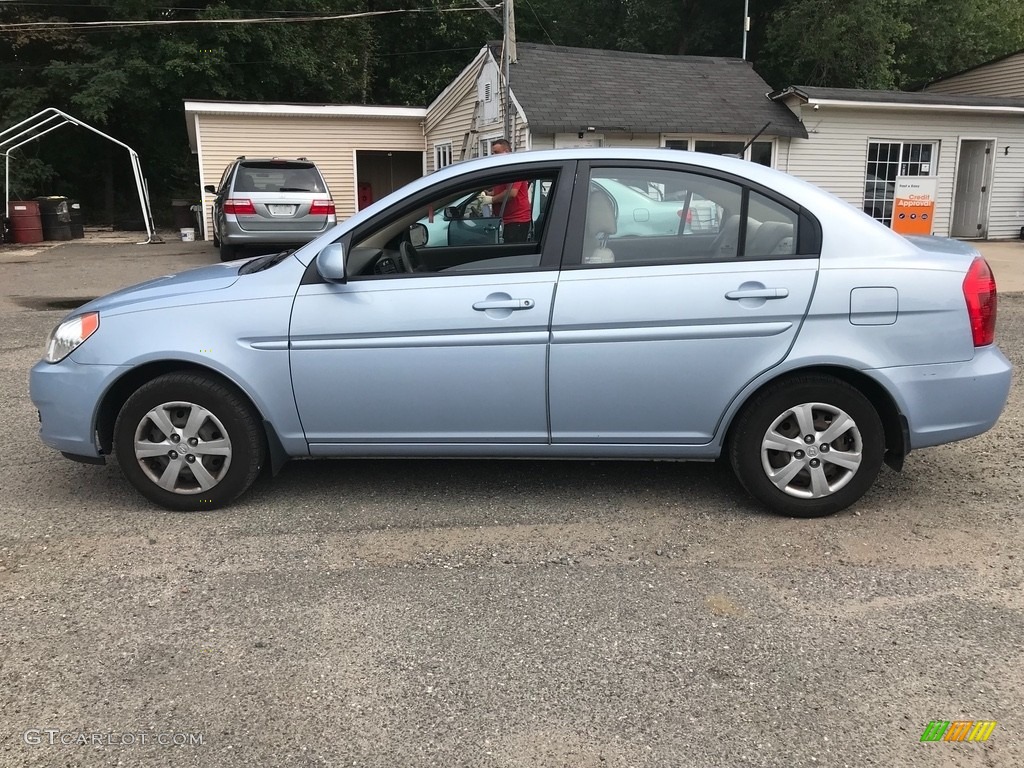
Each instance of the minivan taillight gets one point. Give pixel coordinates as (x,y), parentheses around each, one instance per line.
(322,208)
(980,294)
(239,206)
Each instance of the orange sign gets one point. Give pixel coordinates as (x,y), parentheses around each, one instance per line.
(913,210)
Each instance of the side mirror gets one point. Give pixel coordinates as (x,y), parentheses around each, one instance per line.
(452,213)
(417,234)
(330,263)
(210,188)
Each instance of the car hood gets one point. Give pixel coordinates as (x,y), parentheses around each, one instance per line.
(185,284)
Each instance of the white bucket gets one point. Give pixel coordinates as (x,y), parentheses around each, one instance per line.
(187,234)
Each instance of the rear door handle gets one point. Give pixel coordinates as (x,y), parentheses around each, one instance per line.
(757,293)
(483,306)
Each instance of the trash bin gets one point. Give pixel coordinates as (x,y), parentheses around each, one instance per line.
(77,222)
(182,213)
(26,226)
(55,216)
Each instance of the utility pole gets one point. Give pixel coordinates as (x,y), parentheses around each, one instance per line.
(746,26)
(509,56)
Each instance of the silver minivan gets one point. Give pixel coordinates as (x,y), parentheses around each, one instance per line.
(269,201)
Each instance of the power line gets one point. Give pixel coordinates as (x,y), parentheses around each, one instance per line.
(539,22)
(86,4)
(36,67)
(125,24)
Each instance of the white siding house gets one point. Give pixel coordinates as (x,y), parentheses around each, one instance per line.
(966,130)
(858,142)
(1002,77)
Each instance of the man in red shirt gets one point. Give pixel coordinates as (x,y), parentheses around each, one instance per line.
(513,201)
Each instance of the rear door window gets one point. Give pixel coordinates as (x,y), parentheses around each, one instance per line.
(653,215)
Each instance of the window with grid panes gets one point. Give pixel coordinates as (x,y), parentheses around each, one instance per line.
(886,161)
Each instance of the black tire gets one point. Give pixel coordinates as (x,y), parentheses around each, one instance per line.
(198,408)
(228,252)
(216,240)
(776,411)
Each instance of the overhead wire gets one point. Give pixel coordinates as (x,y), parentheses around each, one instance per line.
(540,23)
(52,25)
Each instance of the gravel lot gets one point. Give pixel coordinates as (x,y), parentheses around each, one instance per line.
(508,614)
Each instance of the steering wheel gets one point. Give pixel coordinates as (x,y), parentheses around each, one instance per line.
(411,261)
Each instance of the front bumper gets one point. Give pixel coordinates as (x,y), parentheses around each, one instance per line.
(68,396)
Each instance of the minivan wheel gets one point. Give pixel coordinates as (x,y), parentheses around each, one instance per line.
(808,446)
(188,442)
(228,252)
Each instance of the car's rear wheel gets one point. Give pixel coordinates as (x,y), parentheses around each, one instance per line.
(807,447)
(188,442)
(228,252)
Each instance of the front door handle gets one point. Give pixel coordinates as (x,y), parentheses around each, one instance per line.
(483,306)
(757,293)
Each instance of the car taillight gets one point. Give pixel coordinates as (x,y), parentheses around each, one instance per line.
(322,208)
(980,294)
(239,206)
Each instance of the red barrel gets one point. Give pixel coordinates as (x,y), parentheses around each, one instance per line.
(26,223)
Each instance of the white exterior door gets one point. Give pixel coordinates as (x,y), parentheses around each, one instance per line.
(971,195)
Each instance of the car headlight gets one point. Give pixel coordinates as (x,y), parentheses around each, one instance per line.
(69,335)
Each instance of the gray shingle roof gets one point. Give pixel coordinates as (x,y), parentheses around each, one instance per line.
(565,89)
(910,98)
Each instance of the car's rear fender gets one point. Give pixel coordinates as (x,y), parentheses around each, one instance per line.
(886,314)
(897,436)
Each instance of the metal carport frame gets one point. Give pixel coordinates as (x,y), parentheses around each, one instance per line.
(55,118)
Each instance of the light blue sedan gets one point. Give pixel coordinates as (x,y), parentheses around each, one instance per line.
(796,337)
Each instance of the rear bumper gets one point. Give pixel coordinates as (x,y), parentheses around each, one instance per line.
(233,235)
(953,401)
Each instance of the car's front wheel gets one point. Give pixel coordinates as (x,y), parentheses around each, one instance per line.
(807,447)
(188,442)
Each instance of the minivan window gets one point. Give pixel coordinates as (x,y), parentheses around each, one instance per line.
(277,177)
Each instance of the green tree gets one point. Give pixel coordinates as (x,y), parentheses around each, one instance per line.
(838,43)
(952,35)
(884,43)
